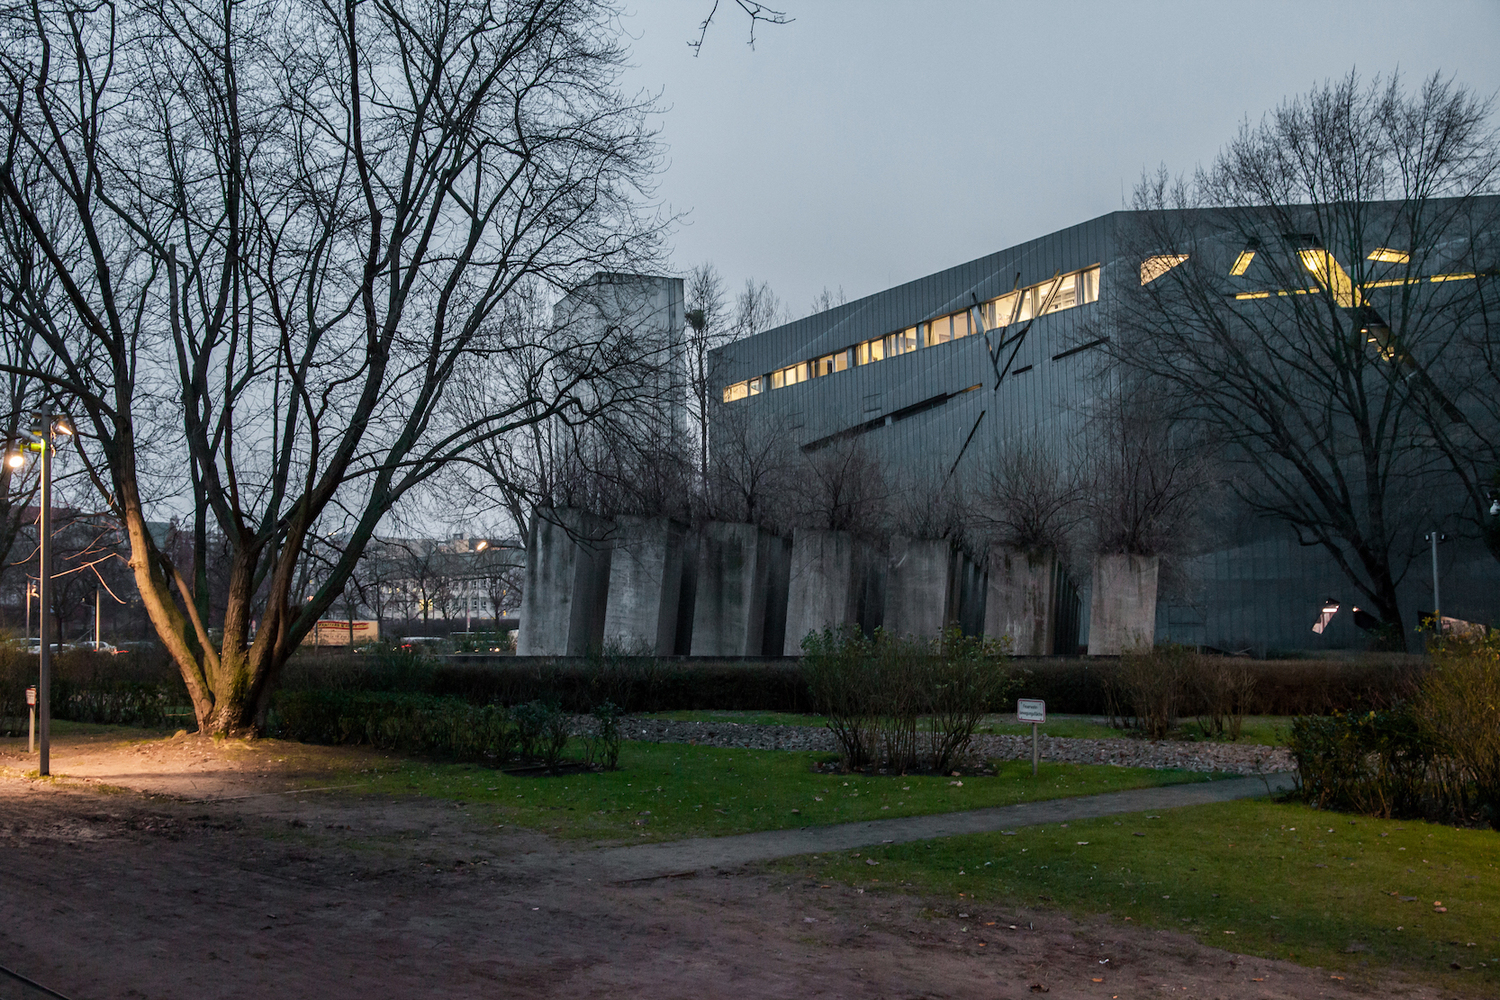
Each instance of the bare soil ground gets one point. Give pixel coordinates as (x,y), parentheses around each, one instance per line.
(182,868)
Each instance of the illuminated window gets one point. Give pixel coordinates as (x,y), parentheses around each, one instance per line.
(841,361)
(737,391)
(1027,307)
(1242,262)
(1001,311)
(790,375)
(961,325)
(756,384)
(939,331)
(1091,285)
(908,339)
(1331,275)
(1066,295)
(1386,255)
(870,350)
(1154,267)
(824,365)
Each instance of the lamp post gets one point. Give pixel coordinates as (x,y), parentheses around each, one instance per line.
(1437,608)
(41,441)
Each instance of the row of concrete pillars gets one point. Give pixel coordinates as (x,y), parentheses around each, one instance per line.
(651,586)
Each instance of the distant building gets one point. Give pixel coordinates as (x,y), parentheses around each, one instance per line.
(934,374)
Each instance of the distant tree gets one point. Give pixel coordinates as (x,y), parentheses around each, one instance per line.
(827,300)
(1316,316)
(756,308)
(707,330)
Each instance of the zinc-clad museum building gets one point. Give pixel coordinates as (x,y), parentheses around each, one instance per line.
(934,375)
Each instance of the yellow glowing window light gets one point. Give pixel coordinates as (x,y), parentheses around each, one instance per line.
(1064,297)
(1154,267)
(1331,275)
(1091,285)
(1002,311)
(737,391)
(1386,255)
(1242,262)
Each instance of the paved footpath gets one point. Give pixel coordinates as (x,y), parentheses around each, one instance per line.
(683,857)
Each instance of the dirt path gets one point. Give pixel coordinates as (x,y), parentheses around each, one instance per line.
(116,894)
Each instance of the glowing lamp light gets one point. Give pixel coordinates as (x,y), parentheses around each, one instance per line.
(14,459)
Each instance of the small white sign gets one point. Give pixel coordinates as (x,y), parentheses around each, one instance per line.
(1031,710)
(31,696)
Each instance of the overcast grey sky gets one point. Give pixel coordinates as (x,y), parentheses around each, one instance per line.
(870,143)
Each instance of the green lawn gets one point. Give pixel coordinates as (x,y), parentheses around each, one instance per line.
(1278,880)
(669,791)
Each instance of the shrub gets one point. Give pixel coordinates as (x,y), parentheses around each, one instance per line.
(1376,762)
(904,703)
(1221,689)
(843,680)
(1459,708)
(602,744)
(1147,689)
(396,721)
(1436,756)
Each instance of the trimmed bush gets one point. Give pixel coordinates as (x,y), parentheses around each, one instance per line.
(404,722)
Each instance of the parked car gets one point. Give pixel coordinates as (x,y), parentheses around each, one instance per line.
(98,647)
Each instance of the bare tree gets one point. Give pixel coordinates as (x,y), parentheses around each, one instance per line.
(827,300)
(1144,483)
(841,487)
(1029,498)
(754,10)
(271,234)
(1306,312)
(753,469)
(756,308)
(707,330)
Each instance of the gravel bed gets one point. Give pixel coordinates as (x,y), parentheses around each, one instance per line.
(1232,758)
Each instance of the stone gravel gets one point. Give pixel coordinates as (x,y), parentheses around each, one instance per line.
(1230,758)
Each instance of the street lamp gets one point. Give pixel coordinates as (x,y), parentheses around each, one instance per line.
(45,425)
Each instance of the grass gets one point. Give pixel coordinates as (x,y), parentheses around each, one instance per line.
(671,791)
(1277,880)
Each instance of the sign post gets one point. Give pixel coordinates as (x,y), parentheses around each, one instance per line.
(31,733)
(1034,711)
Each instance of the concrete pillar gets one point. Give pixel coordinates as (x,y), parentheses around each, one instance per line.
(729,616)
(688,601)
(919,593)
(567,583)
(1022,600)
(1122,614)
(776,581)
(825,589)
(645,585)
